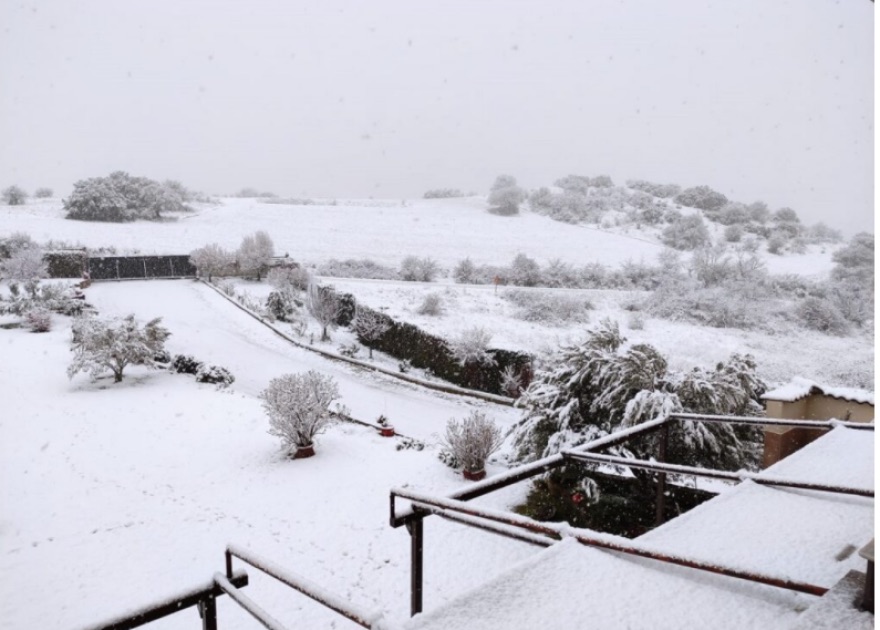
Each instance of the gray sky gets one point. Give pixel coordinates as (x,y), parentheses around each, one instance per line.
(761,99)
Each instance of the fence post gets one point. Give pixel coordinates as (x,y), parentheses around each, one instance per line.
(117,269)
(208,613)
(416,533)
(660,502)
(171,263)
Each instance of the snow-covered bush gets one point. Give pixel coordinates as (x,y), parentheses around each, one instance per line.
(548,307)
(511,381)
(686,233)
(357,268)
(524,272)
(215,375)
(432,305)
(185,364)
(664,191)
(254,254)
(601,385)
(43,193)
(688,300)
(471,441)
(350,350)
(228,288)
(419,269)
(24,264)
(505,196)
(323,304)
(822,315)
(636,321)
(701,197)
(13,196)
(855,261)
(298,406)
(472,346)
(776,243)
(39,320)
(291,279)
(279,306)
(821,233)
(370,326)
(101,345)
(733,233)
(211,260)
(121,197)
(444,193)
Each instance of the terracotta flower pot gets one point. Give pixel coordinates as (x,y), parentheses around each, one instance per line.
(386,431)
(473,475)
(304,451)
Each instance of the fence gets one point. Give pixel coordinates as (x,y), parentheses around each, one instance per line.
(140,267)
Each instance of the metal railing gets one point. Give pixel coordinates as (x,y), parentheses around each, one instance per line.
(454,507)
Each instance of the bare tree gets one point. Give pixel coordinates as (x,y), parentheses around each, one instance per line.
(25,265)
(101,345)
(471,441)
(13,196)
(210,260)
(323,304)
(298,406)
(370,326)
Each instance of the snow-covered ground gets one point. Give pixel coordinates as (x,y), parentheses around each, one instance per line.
(447,230)
(114,495)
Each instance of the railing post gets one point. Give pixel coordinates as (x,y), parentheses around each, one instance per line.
(208,613)
(660,501)
(416,533)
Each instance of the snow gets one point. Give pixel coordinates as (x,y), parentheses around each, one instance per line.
(800,387)
(114,495)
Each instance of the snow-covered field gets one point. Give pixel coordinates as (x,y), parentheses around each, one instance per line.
(447,230)
(113,495)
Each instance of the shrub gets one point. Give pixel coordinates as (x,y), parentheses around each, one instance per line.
(43,193)
(505,196)
(733,233)
(465,272)
(701,197)
(121,197)
(289,279)
(524,271)
(101,345)
(215,375)
(24,264)
(444,193)
(39,320)
(548,307)
(351,350)
(431,305)
(13,196)
(636,321)
(822,315)
(664,191)
(360,268)
(733,214)
(855,261)
(416,269)
(471,441)
(298,406)
(688,232)
(279,306)
(471,346)
(185,364)
(775,244)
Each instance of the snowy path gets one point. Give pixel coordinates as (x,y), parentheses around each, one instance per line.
(115,495)
(203,324)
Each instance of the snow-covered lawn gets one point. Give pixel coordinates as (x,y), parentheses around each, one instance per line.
(114,495)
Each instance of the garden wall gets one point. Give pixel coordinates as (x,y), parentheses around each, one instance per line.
(140,267)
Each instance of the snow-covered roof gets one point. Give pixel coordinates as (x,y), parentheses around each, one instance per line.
(794,534)
(800,387)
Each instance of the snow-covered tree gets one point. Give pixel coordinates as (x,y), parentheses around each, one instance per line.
(290,279)
(101,345)
(471,346)
(121,197)
(254,253)
(298,406)
(13,196)
(323,304)
(687,232)
(701,197)
(43,193)
(211,260)
(419,269)
(472,440)
(525,271)
(505,196)
(24,265)
(601,385)
(370,326)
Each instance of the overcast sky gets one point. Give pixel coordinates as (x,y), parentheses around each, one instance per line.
(760,99)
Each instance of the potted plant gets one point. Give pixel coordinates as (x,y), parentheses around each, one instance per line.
(298,410)
(470,442)
(385,428)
